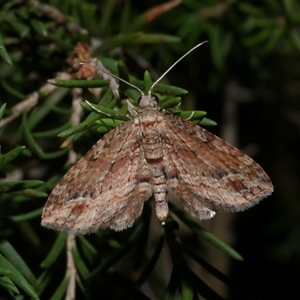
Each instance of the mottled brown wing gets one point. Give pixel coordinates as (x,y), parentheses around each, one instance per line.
(105,188)
(208,174)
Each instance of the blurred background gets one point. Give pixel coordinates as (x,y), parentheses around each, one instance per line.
(247,80)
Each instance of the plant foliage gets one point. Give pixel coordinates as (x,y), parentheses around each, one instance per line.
(40,40)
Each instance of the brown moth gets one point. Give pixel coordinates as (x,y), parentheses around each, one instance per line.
(151,155)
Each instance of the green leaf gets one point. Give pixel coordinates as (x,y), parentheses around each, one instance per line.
(256,38)
(190,114)
(61,290)
(80,128)
(160,88)
(80,264)
(273,39)
(157,38)
(55,251)
(288,6)
(2,110)
(74,133)
(3,53)
(27,216)
(250,9)
(45,106)
(17,261)
(118,40)
(151,264)
(207,122)
(295,38)
(94,83)
(124,74)
(5,8)
(131,243)
(212,270)
(30,193)
(34,145)
(87,247)
(19,185)
(107,122)
(172,285)
(4,271)
(148,82)
(18,278)
(21,29)
(203,288)
(11,90)
(9,156)
(51,133)
(205,234)
(8,284)
(39,27)
(106,16)
(186,290)
(125,18)
(170,103)
(101,110)
(165,89)
(216,47)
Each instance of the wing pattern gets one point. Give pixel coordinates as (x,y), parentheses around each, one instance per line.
(105,188)
(212,174)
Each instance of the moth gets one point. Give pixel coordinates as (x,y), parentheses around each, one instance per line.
(151,155)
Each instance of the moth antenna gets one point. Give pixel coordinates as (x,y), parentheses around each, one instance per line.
(175,63)
(115,76)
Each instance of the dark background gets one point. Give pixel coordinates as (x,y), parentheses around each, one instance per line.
(246,79)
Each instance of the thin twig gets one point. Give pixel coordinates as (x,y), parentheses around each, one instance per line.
(72,158)
(71,269)
(19,108)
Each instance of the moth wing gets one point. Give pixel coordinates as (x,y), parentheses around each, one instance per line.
(206,173)
(106,188)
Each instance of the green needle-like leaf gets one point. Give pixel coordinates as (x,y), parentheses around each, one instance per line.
(208,236)
(55,251)
(9,156)
(18,278)
(14,257)
(79,83)
(3,53)
(19,185)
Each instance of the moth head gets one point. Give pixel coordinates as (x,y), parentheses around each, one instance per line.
(148,101)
